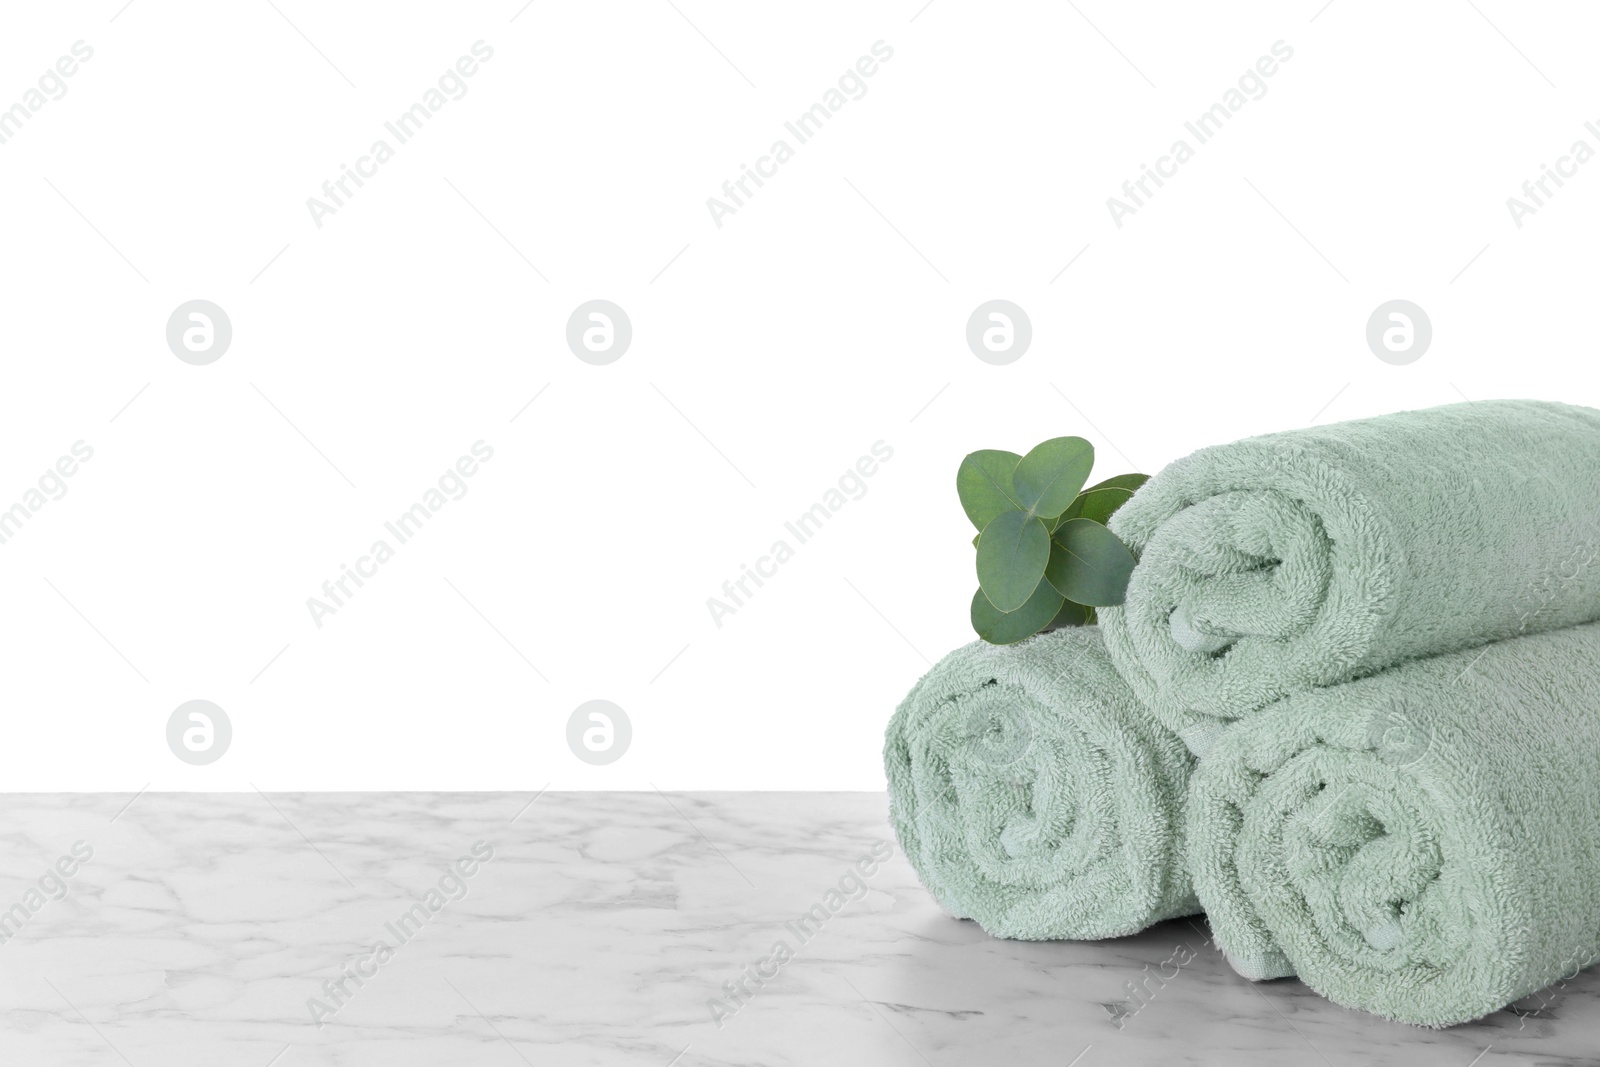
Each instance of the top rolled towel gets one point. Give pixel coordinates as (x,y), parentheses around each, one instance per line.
(1311,557)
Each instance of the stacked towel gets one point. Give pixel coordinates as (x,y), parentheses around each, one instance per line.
(1424,843)
(1032,794)
(1280,563)
(1379,640)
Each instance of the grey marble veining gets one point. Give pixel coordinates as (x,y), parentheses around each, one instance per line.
(203,927)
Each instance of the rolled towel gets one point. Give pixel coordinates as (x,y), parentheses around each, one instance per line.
(1423,843)
(1033,794)
(1306,558)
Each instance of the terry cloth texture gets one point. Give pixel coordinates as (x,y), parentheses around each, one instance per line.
(1423,843)
(1033,794)
(1301,559)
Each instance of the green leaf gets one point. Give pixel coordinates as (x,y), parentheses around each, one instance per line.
(1049,477)
(1088,564)
(1071,615)
(1097,505)
(1012,552)
(1006,628)
(1130,482)
(983,483)
(1101,500)
(1057,569)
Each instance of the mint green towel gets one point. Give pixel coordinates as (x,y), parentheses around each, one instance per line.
(1423,843)
(1279,563)
(1032,793)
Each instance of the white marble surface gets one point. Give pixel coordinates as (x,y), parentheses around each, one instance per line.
(203,924)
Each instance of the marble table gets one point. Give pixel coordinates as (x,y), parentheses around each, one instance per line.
(606,928)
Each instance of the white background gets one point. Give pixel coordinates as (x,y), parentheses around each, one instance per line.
(827,314)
